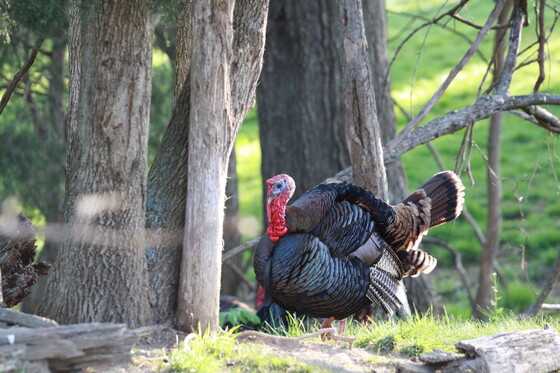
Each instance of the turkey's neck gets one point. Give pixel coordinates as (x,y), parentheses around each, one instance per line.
(276,216)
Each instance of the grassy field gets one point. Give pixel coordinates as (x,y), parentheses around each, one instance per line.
(530,163)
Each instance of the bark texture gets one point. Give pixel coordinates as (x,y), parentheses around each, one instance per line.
(165,210)
(375,23)
(363,134)
(222,92)
(101,268)
(300,94)
(521,351)
(65,348)
(210,136)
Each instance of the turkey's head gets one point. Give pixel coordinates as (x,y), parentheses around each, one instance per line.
(280,189)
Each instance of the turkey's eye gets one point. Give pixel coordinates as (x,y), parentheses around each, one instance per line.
(278,185)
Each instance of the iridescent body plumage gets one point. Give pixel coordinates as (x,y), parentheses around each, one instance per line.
(338,248)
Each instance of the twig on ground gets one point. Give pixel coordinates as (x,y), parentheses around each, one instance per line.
(254,336)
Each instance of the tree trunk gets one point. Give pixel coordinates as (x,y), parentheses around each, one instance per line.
(221,94)
(375,22)
(165,205)
(300,94)
(484,294)
(230,280)
(420,291)
(101,268)
(166,200)
(362,126)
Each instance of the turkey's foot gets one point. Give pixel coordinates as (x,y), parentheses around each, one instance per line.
(328,324)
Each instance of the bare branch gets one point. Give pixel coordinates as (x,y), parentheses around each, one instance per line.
(544,118)
(241,275)
(523,115)
(511,58)
(474,25)
(409,36)
(241,248)
(484,107)
(13,84)
(542,42)
(444,26)
(435,98)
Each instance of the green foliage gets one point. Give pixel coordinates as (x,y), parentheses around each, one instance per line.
(44,17)
(169,10)
(518,297)
(205,352)
(496,312)
(238,316)
(162,101)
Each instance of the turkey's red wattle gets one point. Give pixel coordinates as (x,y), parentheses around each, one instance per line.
(276,216)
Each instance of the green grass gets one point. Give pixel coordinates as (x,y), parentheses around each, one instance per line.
(393,338)
(421,334)
(218,352)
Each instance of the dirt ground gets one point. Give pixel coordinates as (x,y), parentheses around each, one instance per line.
(150,352)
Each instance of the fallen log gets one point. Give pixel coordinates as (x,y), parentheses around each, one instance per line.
(17,253)
(65,348)
(11,317)
(510,352)
(523,351)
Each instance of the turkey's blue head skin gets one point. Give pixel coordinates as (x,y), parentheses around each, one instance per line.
(280,189)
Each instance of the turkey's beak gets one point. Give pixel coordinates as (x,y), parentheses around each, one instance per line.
(271,196)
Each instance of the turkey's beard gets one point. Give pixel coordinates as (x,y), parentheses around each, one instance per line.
(276,216)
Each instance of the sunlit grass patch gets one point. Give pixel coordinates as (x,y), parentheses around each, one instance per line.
(205,352)
(421,334)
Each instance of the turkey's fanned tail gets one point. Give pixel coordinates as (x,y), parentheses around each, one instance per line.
(446,193)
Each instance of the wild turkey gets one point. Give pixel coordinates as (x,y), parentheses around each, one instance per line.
(338,248)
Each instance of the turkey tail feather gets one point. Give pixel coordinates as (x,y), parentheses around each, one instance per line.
(383,289)
(446,192)
(385,280)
